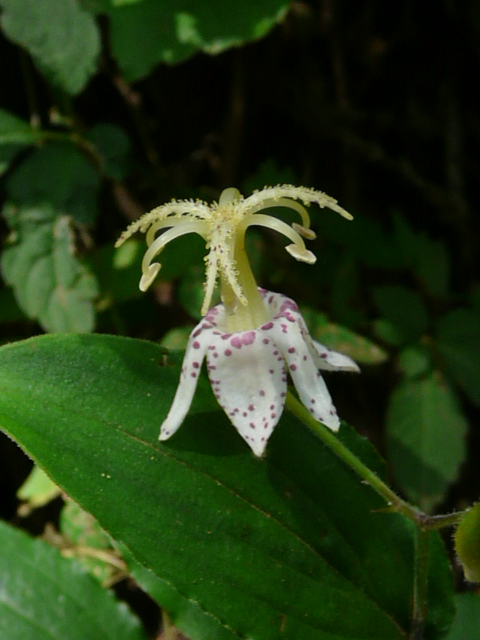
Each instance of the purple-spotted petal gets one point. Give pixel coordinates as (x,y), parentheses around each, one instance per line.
(308,381)
(192,363)
(249,380)
(330,360)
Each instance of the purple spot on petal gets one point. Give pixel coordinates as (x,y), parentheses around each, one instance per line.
(228,352)
(196,345)
(273,416)
(267,326)
(283,394)
(323,355)
(196,365)
(291,350)
(262,392)
(266,341)
(252,425)
(241,339)
(293,367)
(251,407)
(193,374)
(244,414)
(304,358)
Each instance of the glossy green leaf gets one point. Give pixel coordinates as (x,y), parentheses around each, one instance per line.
(425,438)
(458,342)
(57,173)
(256,548)
(50,284)
(404,309)
(143,34)
(47,597)
(466,625)
(61,37)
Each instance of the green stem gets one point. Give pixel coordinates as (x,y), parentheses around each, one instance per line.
(420,583)
(394,502)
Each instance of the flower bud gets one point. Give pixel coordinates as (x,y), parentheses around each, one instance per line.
(467,543)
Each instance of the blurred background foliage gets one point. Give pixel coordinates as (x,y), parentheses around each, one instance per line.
(111,107)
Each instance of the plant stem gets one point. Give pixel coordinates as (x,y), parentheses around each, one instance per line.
(420,583)
(394,502)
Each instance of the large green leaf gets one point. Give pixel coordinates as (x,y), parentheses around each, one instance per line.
(62,38)
(458,336)
(426,437)
(241,547)
(47,597)
(143,34)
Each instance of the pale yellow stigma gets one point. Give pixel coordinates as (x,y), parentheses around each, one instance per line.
(223,225)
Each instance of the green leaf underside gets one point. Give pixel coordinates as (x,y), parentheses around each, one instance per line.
(61,37)
(47,597)
(149,32)
(241,547)
(426,437)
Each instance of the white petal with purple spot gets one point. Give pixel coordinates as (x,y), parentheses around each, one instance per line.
(249,380)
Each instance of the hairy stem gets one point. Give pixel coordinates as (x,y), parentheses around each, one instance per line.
(394,502)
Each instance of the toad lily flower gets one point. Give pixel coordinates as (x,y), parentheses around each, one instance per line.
(253,336)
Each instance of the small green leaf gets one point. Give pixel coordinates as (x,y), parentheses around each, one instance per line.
(50,284)
(258,548)
(60,175)
(36,491)
(47,597)
(15,131)
(404,309)
(81,530)
(458,342)
(414,361)
(61,37)
(176,338)
(425,438)
(337,337)
(143,34)
(466,625)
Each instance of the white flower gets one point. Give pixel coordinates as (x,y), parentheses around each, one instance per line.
(248,371)
(250,339)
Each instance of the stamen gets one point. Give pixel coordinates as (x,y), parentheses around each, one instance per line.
(297,250)
(159,243)
(307,233)
(301,255)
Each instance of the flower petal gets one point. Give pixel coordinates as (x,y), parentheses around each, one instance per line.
(308,381)
(330,360)
(192,363)
(249,381)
